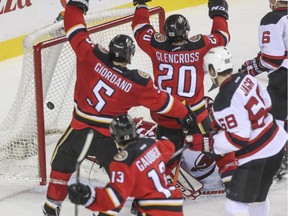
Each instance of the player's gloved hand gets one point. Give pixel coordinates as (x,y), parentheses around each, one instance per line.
(188,123)
(60,16)
(81,194)
(218,8)
(83,4)
(253,67)
(226,167)
(138,2)
(202,143)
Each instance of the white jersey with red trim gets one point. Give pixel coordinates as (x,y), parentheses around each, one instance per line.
(242,109)
(273,39)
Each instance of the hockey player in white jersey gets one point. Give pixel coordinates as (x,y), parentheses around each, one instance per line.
(241,108)
(272,58)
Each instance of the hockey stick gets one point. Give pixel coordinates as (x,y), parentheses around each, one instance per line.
(81,157)
(174,156)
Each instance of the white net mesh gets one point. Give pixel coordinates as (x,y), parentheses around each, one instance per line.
(19,137)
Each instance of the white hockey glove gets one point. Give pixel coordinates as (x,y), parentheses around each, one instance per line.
(81,194)
(83,4)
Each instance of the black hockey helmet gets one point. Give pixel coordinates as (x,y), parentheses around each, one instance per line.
(121,48)
(123,129)
(176,28)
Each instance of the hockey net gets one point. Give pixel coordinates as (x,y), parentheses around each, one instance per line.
(43,105)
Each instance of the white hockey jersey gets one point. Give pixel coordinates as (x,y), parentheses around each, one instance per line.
(273,39)
(241,108)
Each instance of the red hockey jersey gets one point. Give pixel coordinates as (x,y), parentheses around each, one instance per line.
(139,172)
(103,90)
(178,70)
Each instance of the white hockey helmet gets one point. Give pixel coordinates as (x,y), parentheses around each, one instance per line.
(220,59)
(274,2)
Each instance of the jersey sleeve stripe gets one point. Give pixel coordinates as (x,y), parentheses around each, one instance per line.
(225,36)
(175,205)
(259,142)
(235,140)
(271,61)
(168,105)
(91,119)
(70,33)
(113,197)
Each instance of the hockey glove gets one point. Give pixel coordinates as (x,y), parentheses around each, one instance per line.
(81,194)
(138,2)
(218,8)
(253,67)
(189,122)
(202,143)
(83,4)
(226,167)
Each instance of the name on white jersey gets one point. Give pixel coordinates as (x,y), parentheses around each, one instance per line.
(247,85)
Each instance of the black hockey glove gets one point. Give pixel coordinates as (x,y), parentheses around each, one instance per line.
(218,8)
(81,194)
(137,2)
(83,4)
(188,123)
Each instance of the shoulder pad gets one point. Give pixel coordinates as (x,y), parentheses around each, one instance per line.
(102,49)
(159,37)
(143,74)
(195,38)
(121,156)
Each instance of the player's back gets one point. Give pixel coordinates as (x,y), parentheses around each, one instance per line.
(145,165)
(104,90)
(242,108)
(178,69)
(273,39)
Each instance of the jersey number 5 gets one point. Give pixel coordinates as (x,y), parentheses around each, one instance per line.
(100,88)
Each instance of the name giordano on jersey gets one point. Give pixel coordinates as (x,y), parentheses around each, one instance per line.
(112,77)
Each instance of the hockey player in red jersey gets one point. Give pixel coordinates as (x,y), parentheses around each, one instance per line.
(104,88)
(138,171)
(178,59)
(178,67)
(247,128)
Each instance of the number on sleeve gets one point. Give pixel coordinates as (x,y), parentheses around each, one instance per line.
(117,176)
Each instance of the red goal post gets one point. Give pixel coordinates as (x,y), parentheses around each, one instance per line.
(43,105)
